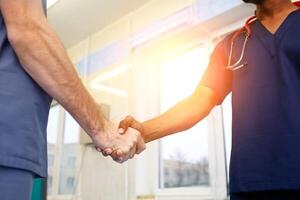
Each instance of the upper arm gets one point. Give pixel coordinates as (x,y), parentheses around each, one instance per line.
(22,15)
(216,77)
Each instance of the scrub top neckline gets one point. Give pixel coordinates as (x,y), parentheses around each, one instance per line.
(280,27)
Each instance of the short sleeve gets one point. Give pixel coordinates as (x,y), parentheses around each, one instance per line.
(216,76)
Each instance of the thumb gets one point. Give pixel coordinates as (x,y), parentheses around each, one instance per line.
(125,124)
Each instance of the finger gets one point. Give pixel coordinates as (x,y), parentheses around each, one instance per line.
(121,131)
(141,146)
(131,140)
(117,154)
(126,153)
(108,151)
(132,152)
(125,124)
(99,149)
(119,159)
(104,154)
(114,156)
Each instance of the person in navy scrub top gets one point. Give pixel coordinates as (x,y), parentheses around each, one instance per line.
(265,158)
(34,68)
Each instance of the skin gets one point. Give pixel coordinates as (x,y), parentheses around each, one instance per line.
(193,109)
(272,13)
(44,58)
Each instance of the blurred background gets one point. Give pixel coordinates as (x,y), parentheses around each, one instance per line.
(140,57)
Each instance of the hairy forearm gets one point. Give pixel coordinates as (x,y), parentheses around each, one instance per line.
(44,58)
(181,117)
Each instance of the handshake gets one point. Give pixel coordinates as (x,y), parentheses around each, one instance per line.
(123,142)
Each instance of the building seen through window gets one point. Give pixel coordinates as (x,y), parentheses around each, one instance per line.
(184,155)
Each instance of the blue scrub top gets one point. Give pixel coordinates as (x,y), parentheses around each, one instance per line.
(24,109)
(265,104)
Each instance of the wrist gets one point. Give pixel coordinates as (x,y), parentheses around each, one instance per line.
(100,131)
(144,134)
(103,137)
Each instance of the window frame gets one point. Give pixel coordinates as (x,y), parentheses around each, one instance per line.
(217,150)
(199,192)
(54,195)
(200,44)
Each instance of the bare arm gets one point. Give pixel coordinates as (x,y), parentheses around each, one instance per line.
(181,117)
(44,58)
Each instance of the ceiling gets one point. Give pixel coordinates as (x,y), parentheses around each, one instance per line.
(74,20)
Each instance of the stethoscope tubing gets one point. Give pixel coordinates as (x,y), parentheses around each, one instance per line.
(246,29)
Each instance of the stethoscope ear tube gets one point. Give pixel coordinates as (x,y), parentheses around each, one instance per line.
(237,65)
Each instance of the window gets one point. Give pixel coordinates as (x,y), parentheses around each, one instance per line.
(52,133)
(50,160)
(49,186)
(184,156)
(72,162)
(70,182)
(70,152)
(63,152)
(51,3)
(227,119)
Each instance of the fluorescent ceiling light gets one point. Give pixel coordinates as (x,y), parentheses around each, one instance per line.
(98,85)
(108,89)
(51,3)
(111,74)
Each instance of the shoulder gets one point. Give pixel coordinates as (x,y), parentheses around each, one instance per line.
(222,48)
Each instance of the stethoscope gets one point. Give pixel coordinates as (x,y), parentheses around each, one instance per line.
(246,30)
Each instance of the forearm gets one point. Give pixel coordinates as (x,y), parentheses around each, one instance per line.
(181,117)
(44,58)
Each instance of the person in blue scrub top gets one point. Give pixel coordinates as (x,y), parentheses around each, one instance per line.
(34,68)
(265,158)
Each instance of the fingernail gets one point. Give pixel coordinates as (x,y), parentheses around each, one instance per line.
(121,130)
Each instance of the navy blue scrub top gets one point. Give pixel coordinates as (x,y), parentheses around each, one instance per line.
(24,109)
(265,104)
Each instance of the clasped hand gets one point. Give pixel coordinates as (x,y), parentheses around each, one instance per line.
(121,143)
